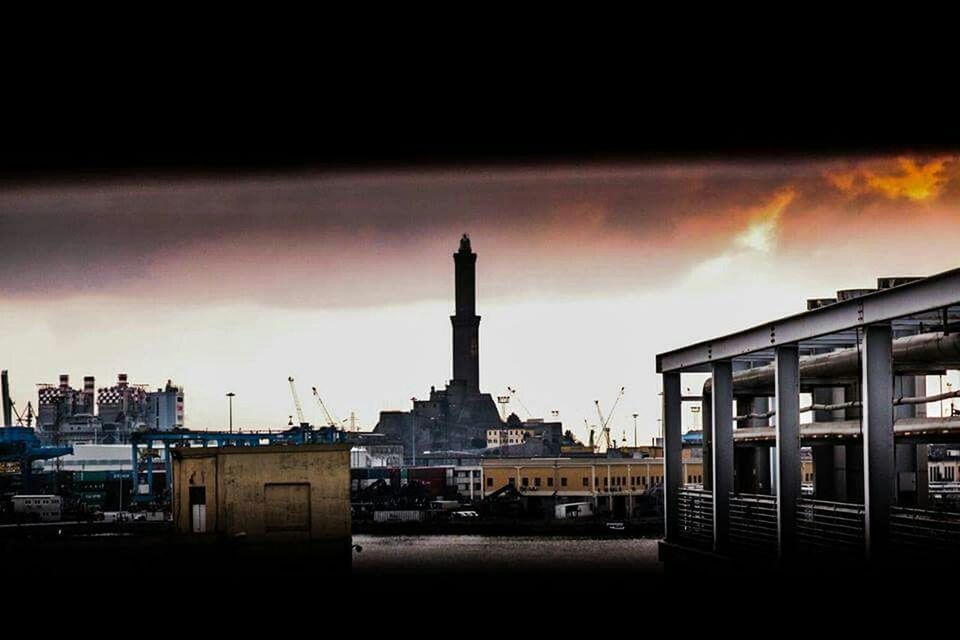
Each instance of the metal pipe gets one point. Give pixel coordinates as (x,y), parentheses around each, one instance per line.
(924,429)
(852,403)
(918,354)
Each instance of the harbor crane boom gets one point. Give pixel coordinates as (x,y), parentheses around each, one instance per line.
(331,421)
(605,422)
(27,415)
(513,394)
(605,442)
(296,401)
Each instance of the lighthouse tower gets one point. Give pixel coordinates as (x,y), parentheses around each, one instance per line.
(466,323)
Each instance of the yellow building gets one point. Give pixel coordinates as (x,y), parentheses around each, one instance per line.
(610,483)
(281,491)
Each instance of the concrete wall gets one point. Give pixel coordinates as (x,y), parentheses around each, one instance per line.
(270,491)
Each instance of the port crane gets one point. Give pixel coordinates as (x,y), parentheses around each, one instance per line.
(513,394)
(331,420)
(296,402)
(605,422)
(27,415)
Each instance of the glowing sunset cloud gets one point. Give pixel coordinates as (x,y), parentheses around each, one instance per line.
(761,234)
(911,180)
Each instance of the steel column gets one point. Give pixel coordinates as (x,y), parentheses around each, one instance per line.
(825,468)
(134,472)
(168,469)
(722,425)
(787,419)
(878,451)
(905,455)
(706,408)
(923,450)
(673,443)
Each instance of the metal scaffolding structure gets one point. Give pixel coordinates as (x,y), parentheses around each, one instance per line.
(864,356)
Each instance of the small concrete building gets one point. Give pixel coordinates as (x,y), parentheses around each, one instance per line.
(265,492)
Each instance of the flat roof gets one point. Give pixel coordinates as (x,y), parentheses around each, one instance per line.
(908,306)
(572,462)
(201,452)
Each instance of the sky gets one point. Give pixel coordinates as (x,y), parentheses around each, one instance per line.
(345,280)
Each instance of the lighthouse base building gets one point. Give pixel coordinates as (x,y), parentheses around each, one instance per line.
(457,417)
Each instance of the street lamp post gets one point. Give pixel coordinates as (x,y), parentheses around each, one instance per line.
(230,395)
(635,429)
(413,431)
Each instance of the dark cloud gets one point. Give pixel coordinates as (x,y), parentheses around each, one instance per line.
(344,240)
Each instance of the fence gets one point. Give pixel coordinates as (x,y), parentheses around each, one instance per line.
(696,517)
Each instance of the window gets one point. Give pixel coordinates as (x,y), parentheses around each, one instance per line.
(513,480)
(563,482)
(586,482)
(633,480)
(536,481)
(549,482)
(489,482)
(643,480)
(525,482)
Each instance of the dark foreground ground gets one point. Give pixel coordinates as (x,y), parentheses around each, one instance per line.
(450,575)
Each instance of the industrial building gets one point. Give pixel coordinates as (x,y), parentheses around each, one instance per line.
(267,491)
(164,410)
(80,416)
(863,357)
(458,416)
(612,486)
(533,431)
(65,413)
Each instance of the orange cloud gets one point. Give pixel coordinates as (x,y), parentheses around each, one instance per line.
(761,231)
(910,180)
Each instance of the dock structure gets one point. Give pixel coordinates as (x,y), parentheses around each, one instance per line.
(864,357)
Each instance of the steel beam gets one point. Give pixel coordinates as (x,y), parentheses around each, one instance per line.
(878,450)
(673,463)
(722,427)
(936,292)
(787,419)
